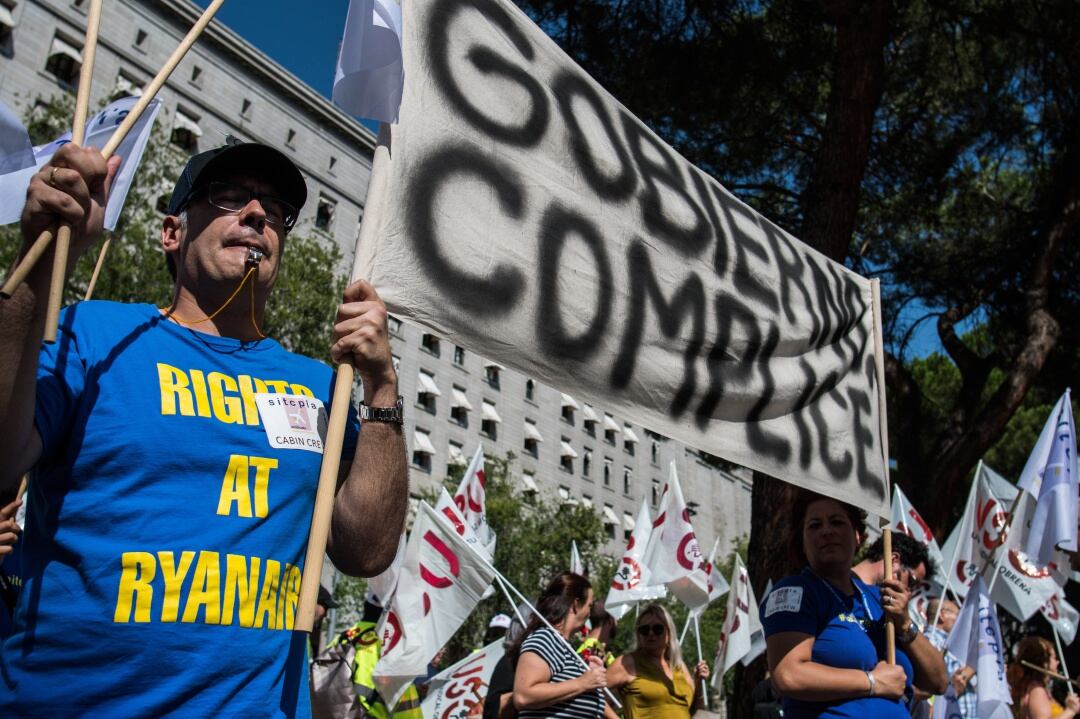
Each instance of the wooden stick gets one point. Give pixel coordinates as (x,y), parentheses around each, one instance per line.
(883,419)
(335,431)
(1061,656)
(19,274)
(97,268)
(1052,675)
(78,134)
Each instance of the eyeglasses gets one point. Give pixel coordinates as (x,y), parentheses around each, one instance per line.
(233,198)
(654,629)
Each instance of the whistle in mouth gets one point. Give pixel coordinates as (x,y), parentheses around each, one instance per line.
(254,257)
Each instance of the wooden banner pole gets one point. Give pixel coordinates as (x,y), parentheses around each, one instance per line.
(37,249)
(342,393)
(886,532)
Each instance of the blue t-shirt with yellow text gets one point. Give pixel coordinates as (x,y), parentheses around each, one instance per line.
(845,637)
(166,531)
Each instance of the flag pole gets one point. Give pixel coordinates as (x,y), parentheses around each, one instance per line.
(323,510)
(956,549)
(1052,675)
(1061,656)
(513,604)
(37,249)
(78,136)
(697,637)
(685,629)
(883,419)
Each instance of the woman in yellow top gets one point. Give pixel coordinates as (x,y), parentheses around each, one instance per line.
(652,679)
(1030,688)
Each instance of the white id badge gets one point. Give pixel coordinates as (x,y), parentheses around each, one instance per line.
(292,421)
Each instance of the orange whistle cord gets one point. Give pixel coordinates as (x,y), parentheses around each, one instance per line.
(258,331)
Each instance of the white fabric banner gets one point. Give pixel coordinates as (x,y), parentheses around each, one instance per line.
(975,641)
(455,692)
(527,214)
(448,508)
(441,582)
(16,150)
(1051,476)
(673,555)
(369,75)
(718,585)
(907,520)
(98,131)
(1021,587)
(471,500)
(1062,616)
(740,624)
(630,585)
(381,587)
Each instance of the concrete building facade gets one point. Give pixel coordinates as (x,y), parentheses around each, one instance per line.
(454,398)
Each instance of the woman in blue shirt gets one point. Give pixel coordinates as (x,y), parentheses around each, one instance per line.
(824,627)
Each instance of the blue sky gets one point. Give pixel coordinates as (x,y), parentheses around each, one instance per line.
(302,36)
(306,44)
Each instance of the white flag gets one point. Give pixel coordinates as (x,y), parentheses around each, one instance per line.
(630,584)
(1062,616)
(16,150)
(718,586)
(455,691)
(370,74)
(576,565)
(1051,475)
(382,586)
(98,131)
(975,641)
(741,623)
(442,580)
(448,509)
(1021,587)
(673,555)
(471,500)
(907,520)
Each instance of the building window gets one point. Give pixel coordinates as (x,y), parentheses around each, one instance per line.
(630,440)
(489,421)
(430,343)
(529,487)
(79,5)
(459,355)
(393,324)
(186,131)
(290,136)
(654,452)
(611,428)
(589,420)
(607,471)
(492,372)
(627,480)
(564,497)
(530,389)
(330,167)
(64,62)
(654,496)
(7,27)
(423,450)
(126,86)
(532,438)
(455,456)
(245,109)
(324,214)
(459,406)
(196,76)
(586,499)
(628,524)
(396,361)
(140,39)
(586,462)
(569,406)
(567,455)
(610,521)
(427,391)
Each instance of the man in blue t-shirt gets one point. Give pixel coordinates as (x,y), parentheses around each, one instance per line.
(174,455)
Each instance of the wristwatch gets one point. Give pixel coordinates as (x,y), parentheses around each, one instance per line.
(909,636)
(393,414)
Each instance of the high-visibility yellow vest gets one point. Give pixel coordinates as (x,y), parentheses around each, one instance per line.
(365,641)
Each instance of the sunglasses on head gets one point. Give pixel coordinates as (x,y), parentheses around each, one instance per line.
(654,629)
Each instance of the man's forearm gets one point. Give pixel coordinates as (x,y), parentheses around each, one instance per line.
(369,509)
(22,322)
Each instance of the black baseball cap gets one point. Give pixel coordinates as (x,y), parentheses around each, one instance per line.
(235,155)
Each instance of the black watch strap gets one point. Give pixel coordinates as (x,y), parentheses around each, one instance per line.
(393,414)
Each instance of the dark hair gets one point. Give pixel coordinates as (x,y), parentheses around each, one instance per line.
(912,552)
(800,504)
(553,605)
(1034,650)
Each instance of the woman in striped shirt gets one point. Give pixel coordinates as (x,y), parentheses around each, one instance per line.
(550,681)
